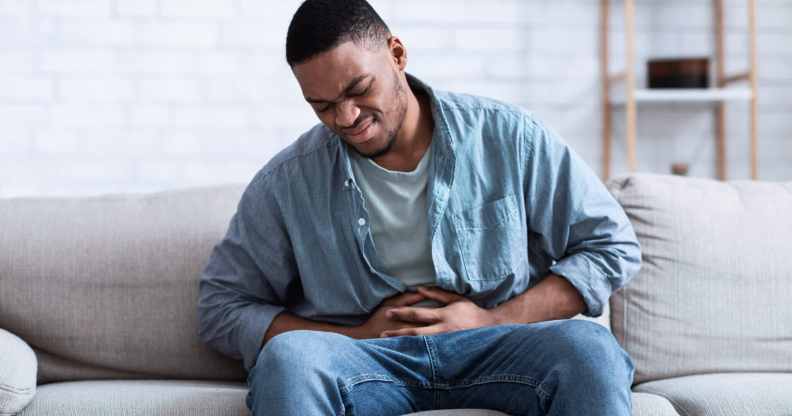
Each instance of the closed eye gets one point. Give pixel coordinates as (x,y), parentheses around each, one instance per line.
(349,94)
(361,93)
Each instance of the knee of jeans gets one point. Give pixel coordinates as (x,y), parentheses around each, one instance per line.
(590,347)
(297,350)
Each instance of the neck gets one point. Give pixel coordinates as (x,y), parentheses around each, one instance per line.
(414,136)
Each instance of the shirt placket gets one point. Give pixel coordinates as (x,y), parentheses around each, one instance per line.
(441,178)
(362,230)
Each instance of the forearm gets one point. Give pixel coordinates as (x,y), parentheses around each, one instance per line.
(552,298)
(286,321)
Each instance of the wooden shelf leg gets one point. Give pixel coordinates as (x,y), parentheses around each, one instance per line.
(607,130)
(629,25)
(719,113)
(754,91)
(720,140)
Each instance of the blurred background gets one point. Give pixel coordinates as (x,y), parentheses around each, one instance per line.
(109,96)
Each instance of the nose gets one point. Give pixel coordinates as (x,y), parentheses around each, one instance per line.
(346,114)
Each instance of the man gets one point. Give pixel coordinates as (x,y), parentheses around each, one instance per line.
(416,250)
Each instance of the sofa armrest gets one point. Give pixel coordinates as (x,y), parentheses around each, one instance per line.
(18,368)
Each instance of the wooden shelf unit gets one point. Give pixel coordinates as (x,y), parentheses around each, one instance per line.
(718,95)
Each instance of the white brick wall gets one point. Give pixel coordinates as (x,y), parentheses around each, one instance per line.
(100,96)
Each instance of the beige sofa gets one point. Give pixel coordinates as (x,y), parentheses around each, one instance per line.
(98,302)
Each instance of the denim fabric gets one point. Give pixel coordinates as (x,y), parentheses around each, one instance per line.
(508,202)
(564,367)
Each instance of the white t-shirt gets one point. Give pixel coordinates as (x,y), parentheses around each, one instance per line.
(396,204)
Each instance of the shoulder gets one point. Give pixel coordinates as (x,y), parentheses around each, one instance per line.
(313,141)
(469,106)
(488,120)
(273,177)
(495,118)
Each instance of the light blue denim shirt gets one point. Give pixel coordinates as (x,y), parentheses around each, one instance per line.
(508,202)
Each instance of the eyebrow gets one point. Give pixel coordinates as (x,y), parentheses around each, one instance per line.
(352,84)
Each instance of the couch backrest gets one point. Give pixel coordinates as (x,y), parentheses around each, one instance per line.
(714,293)
(107,286)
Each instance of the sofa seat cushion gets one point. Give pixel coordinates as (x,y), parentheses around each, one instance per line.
(726,394)
(139,397)
(206,398)
(646,404)
(643,404)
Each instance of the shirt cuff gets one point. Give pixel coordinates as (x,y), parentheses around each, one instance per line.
(587,279)
(254,321)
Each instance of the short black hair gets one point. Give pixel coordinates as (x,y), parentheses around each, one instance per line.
(321,25)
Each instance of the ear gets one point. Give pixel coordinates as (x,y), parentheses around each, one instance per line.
(398,52)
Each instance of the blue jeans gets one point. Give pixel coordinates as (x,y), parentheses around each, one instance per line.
(562,367)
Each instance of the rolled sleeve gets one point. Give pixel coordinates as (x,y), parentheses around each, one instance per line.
(254,320)
(582,274)
(245,282)
(582,226)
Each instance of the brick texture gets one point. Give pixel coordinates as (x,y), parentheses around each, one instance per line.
(103,96)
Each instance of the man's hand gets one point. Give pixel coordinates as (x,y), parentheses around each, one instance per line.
(459,313)
(379,322)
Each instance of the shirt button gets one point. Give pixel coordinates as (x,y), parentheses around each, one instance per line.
(362,222)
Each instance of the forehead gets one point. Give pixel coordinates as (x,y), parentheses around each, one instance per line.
(327,74)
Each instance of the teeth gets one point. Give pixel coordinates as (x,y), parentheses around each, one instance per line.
(362,130)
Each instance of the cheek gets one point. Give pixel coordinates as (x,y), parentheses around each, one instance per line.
(326,118)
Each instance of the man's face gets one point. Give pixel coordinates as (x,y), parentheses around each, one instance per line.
(358,93)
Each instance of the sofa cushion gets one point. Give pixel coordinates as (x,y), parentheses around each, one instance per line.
(646,404)
(107,286)
(138,398)
(734,394)
(17,373)
(713,291)
(206,398)
(643,404)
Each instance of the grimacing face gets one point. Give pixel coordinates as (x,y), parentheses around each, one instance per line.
(358,92)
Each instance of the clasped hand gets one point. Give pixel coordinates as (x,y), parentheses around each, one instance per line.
(458,313)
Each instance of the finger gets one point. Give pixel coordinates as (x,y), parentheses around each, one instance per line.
(439,294)
(409,298)
(423,330)
(411,314)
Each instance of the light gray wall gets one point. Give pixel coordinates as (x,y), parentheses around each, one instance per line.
(102,96)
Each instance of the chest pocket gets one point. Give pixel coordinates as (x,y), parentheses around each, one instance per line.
(490,239)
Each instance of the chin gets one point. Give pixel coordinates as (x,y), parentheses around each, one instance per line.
(375,152)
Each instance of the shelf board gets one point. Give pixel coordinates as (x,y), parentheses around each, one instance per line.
(690,95)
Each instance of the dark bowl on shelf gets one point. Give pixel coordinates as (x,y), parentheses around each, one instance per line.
(678,73)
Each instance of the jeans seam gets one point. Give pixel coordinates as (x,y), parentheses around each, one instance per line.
(342,406)
(521,379)
(351,382)
(545,396)
(345,388)
(498,378)
(432,361)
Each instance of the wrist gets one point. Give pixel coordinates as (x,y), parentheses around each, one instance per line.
(356,332)
(500,316)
